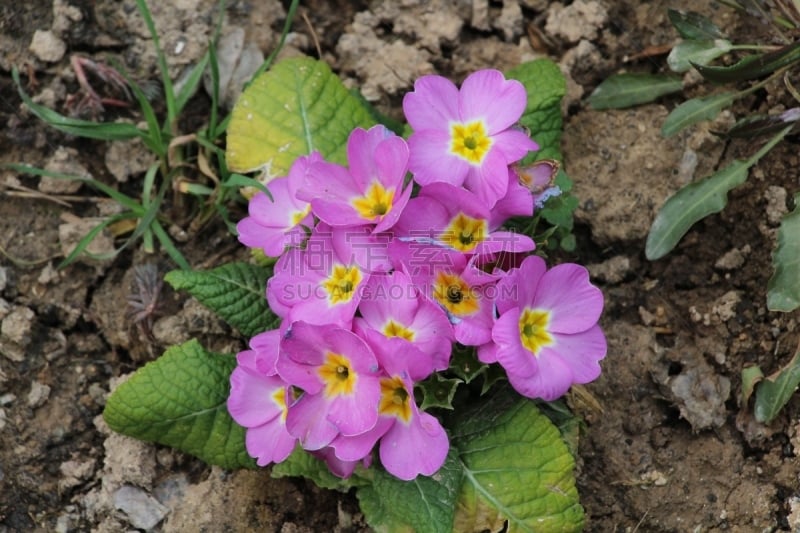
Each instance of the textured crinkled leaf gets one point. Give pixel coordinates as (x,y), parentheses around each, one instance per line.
(773,392)
(630,89)
(691,204)
(686,53)
(179,400)
(516,469)
(302,464)
(291,110)
(234,291)
(545,86)
(695,110)
(783,290)
(424,505)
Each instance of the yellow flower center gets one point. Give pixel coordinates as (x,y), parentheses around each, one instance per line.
(393,329)
(375,203)
(297,216)
(337,374)
(341,284)
(533,331)
(455,294)
(279,397)
(464,233)
(395,400)
(470,141)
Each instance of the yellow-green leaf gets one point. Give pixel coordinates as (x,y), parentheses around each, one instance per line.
(291,110)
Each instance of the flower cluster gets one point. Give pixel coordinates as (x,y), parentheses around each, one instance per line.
(374,285)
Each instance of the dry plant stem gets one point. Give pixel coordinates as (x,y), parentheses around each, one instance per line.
(313,35)
(790,87)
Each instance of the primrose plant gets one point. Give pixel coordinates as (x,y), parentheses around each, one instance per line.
(763,66)
(391,298)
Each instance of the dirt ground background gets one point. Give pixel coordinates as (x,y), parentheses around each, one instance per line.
(666,448)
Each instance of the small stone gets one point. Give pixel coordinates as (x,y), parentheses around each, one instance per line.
(579,20)
(143,511)
(38,394)
(17,325)
(7,398)
(71,232)
(612,270)
(125,159)
(3,278)
(47,46)
(63,161)
(776,204)
(75,473)
(731,260)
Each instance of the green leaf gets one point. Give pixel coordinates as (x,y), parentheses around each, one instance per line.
(516,469)
(758,125)
(773,392)
(696,110)
(235,291)
(691,204)
(179,400)
(464,363)
(438,391)
(558,210)
(424,505)
(627,90)
(753,66)
(751,376)
(783,289)
(302,464)
(295,108)
(698,200)
(691,25)
(545,86)
(686,53)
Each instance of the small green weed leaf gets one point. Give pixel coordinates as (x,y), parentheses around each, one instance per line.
(179,400)
(773,392)
(686,53)
(756,126)
(630,89)
(293,109)
(302,464)
(692,25)
(558,210)
(234,291)
(464,363)
(691,204)
(696,110)
(545,86)
(438,391)
(424,505)
(751,376)
(516,469)
(753,66)
(783,290)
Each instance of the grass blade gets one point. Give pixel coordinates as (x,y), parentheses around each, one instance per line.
(753,66)
(89,237)
(193,80)
(287,26)
(783,289)
(169,92)
(169,246)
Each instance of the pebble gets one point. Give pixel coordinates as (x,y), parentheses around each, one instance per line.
(17,325)
(38,395)
(579,20)
(63,161)
(47,46)
(143,511)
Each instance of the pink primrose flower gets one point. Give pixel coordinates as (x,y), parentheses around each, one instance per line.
(278,222)
(466,137)
(259,401)
(339,376)
(319,284)
(547,334)
(393,308)
(455,218)
(371,192)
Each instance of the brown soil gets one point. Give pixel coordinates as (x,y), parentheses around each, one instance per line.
(667,446)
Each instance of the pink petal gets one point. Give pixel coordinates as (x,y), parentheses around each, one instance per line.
(420,447)
(510,353)
(329,182)
(489,181)
(391,162)
(307,421)
(517,202)
(487,94)
(430,159)
(575,304)
(250,402)
(253,235)
(552,379)
(269,443)
(422,219)
(356,447)
(514,144)
(356,413)
(432,104)
(581,351)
